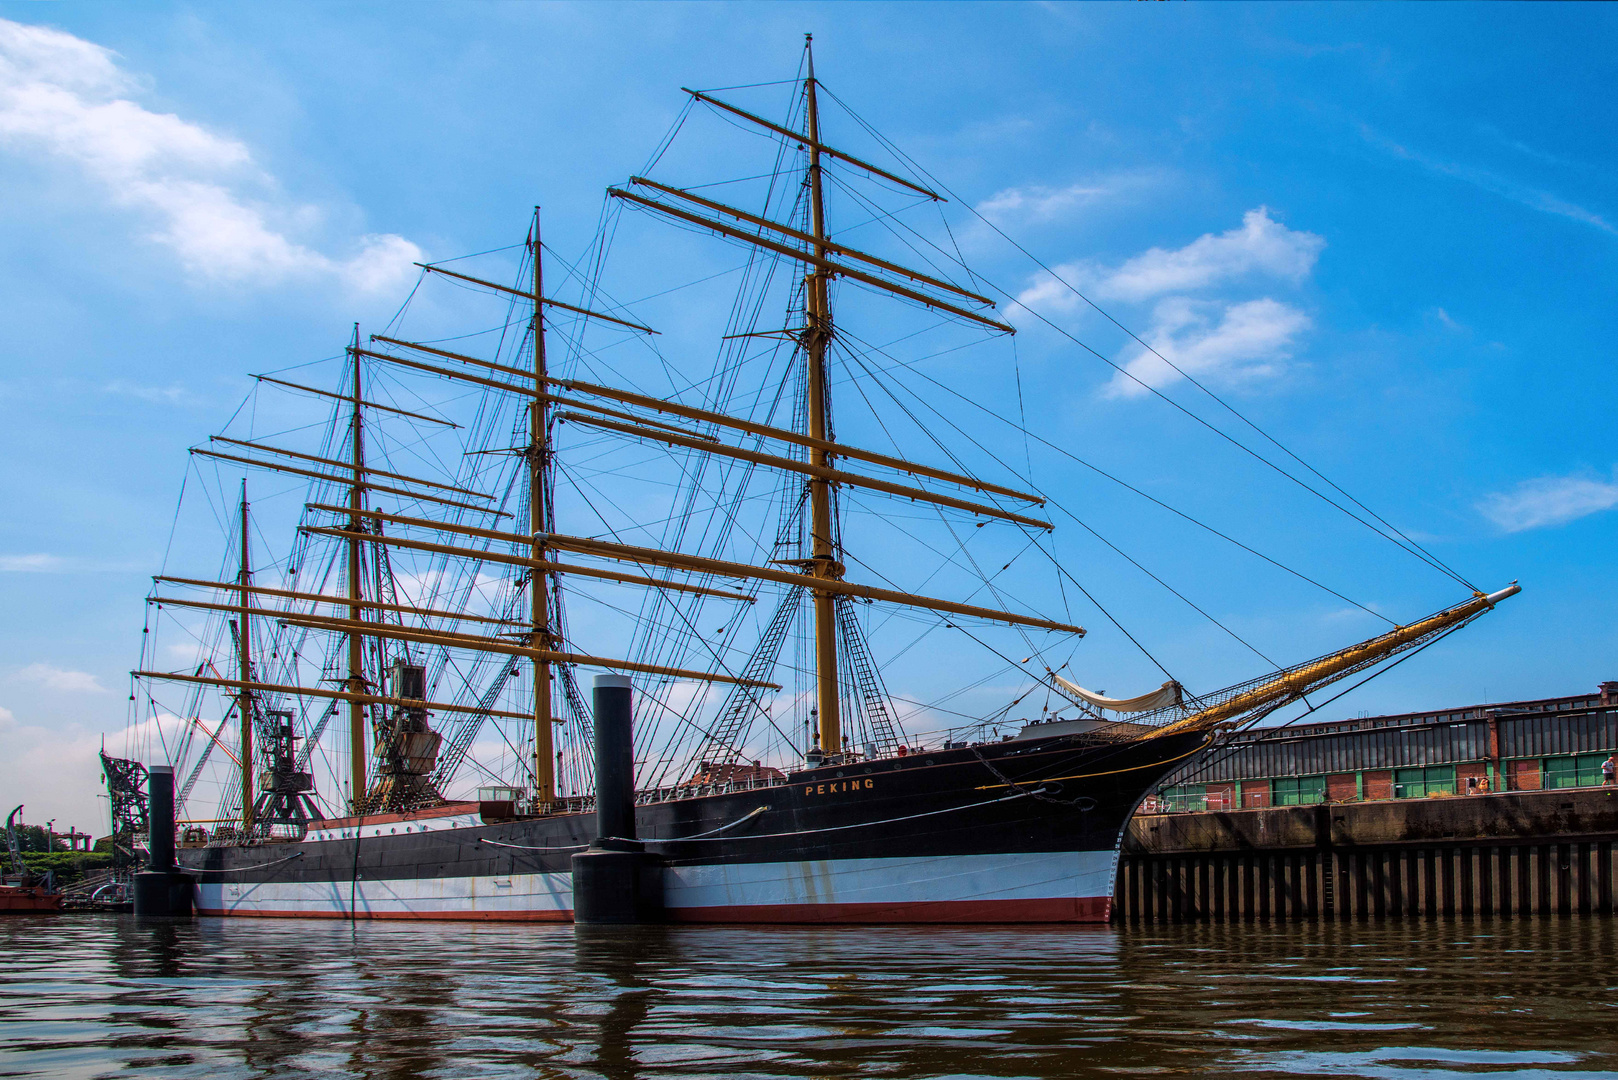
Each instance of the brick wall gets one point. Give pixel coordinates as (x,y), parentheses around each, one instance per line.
(1255,793)
(1221,796)
(1477,770)
(1378,784)
(1340,787)
(1524,775)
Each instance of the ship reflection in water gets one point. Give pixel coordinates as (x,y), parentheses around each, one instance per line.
(218,999)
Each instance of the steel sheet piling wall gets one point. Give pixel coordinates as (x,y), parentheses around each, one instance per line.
(1546,870)
(1518,881)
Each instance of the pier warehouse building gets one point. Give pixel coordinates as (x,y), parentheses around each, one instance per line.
(1508,746)
(1497,810)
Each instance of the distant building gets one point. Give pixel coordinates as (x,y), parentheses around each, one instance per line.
(1507,746)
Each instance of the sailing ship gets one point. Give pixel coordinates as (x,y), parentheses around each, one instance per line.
(439,615)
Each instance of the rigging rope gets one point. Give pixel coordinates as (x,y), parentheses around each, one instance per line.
(1398,539)
(1115,479)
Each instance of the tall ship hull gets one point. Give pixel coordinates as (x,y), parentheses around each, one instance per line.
(1016,831)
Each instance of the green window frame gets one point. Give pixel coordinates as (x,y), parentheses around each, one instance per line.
(1574,770)
(1297,790)
(1422,782)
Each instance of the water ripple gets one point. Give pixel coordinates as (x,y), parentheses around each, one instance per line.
(83,998)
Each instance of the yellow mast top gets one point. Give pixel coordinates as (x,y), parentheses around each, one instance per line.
(358,770)
(244,649)
(817,332)
(543,636)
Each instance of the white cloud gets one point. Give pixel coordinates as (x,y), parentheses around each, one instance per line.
(157,395)
(1550,500)
(1052,294)
(29,564)
(433,588)
(56,564)
(67,98)
(1532,197)
(53,770)
(1040,203)
(1203,334)
(188,654)
(1249,340)
(55,678)
(1262,246)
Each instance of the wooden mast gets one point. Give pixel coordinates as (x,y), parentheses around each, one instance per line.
(244,651)
(817,332)
(538,525)
(356,683)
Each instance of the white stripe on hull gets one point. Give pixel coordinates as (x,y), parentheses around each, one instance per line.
(1069,886)
(523,897)
(917,879)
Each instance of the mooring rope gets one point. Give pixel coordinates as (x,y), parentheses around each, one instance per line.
(239,869)
(1010,783)
(527,847)
(744,819)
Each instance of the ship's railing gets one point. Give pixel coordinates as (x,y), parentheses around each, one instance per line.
(697,791)
(586,804)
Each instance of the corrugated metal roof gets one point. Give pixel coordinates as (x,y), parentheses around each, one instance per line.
(1417,719)
(1573,733)
(1551,727)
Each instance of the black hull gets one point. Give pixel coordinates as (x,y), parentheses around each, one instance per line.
(1025,830)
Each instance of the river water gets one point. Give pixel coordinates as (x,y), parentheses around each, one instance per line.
(93,996)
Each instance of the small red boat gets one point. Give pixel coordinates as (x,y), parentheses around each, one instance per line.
(27,898)
(23,890)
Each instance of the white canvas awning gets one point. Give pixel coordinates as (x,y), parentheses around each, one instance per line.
(1169,693)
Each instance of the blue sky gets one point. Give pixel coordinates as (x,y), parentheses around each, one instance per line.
(1385,233)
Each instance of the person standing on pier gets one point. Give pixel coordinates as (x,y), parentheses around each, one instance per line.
(1609,770)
